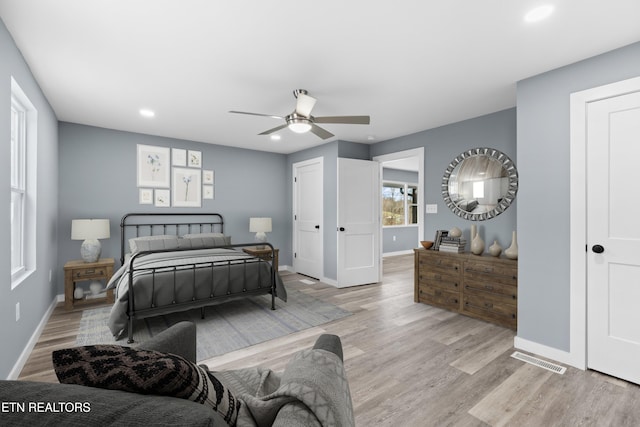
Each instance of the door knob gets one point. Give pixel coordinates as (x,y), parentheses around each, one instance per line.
(317,227)
(598,249)
(341,228)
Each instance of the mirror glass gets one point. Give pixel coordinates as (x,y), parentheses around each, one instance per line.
(480,184)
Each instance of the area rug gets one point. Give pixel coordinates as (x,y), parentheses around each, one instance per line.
(226,327)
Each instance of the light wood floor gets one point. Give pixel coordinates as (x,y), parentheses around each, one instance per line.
(414,365)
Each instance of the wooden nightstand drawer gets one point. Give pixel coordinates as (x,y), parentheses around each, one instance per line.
(89,273)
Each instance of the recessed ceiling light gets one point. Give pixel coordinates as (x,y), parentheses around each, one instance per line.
(147,113)
(371,138)
(275,137)
(539,13)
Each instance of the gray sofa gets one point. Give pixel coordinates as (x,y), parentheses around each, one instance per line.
(26,403)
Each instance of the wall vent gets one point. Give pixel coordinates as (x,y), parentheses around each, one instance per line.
(539,362)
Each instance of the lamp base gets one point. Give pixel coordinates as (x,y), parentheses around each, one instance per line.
(261,237)
(90,250)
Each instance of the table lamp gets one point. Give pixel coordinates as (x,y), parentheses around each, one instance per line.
(260,226)
(90,230)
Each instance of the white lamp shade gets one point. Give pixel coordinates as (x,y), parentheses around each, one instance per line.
(257,225)
(83,229)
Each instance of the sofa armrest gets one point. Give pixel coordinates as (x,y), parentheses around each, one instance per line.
(179,339)
(330,343)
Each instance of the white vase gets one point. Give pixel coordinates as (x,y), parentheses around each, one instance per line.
(495,249)
(474,231)
(477,244)
(512,251)
(78,293)
(455,232)
(95,288)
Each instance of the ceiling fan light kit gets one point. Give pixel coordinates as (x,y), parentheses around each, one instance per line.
(301,120)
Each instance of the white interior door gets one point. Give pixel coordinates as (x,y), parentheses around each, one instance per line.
(358,222)
(613,235)
(307,218)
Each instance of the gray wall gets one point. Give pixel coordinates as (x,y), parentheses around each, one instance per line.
(497,130)
(98,180)
(35,294)
(543,199)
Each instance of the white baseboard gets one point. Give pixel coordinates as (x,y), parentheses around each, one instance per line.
(407,252)
(542,350)
(24,356)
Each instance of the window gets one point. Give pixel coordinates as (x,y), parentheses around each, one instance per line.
(23,140)
(399,204)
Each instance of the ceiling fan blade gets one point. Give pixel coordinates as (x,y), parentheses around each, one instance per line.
(258,114)
(322,133)
(348,120)
(275,129)
(305,104)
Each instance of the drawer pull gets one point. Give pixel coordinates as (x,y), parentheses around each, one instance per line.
(88,271)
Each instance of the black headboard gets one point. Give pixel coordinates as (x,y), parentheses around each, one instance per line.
(149,224)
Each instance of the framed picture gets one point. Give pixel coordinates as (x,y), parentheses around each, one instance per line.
(194,159)
(187,187)
(153,166)
(207,177)
(207,191)
(145,196)
(178,157)
(163,198)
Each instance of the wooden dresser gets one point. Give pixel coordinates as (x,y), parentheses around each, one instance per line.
(483,287)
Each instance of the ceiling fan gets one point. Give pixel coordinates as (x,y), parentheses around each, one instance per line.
(301,120)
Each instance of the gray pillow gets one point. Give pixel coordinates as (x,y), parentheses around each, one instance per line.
(152,243)
(207,239)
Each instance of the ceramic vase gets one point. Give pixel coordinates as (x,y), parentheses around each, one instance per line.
(512,251)
(95,288)
(455,232)
(495,249)
(78,293)
(477,244)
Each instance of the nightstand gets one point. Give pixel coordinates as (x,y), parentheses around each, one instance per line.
(264,254)
(80,271)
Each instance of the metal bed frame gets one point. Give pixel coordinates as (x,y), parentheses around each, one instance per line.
(149,224)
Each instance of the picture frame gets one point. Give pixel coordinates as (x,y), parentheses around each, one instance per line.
(194,159)
(162,198)
(187,187)
(145,196)
(207,191)
(153,166)
(207,177)
(178,157)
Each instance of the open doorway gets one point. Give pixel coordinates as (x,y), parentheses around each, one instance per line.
(402,192)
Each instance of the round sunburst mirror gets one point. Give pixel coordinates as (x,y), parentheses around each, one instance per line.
(480,184)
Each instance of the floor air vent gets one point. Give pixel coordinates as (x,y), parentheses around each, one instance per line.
(539,362)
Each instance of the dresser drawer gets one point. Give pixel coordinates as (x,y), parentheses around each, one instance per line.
(496,272)
(490,309)
(442,264)
(434,278)
(480,286)
(439,297)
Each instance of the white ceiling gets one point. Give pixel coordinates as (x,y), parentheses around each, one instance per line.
(410,64)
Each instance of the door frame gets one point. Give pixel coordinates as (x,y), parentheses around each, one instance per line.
(577,355)
(294,205)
